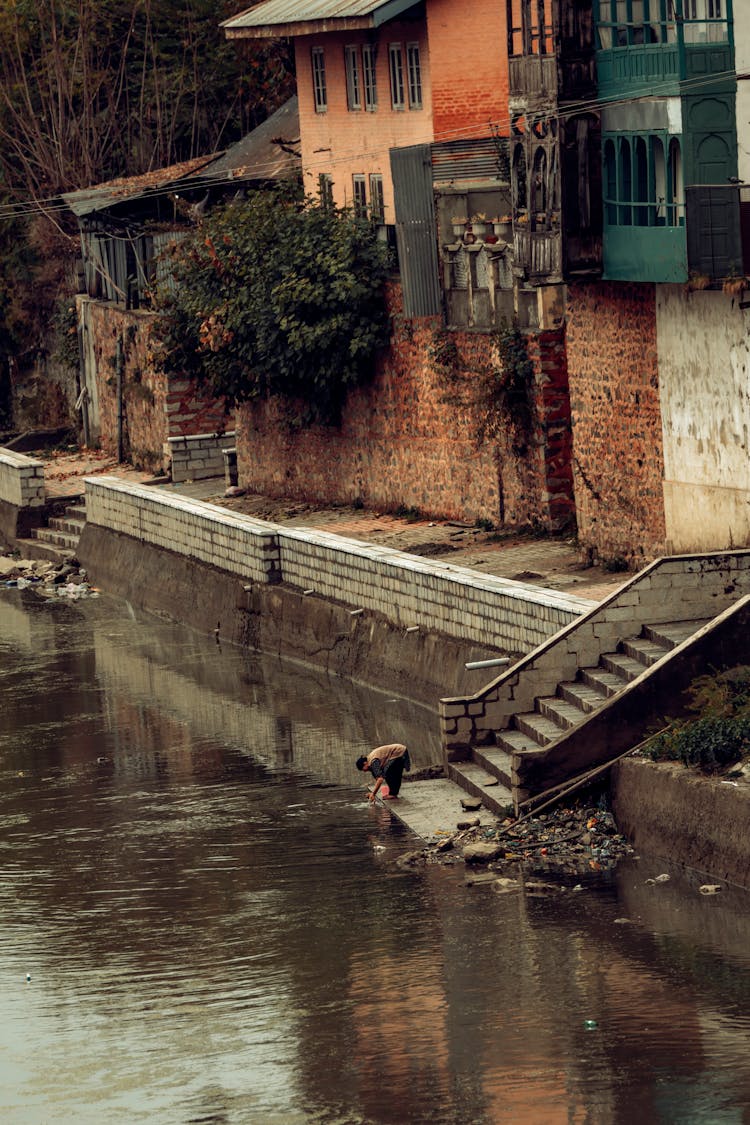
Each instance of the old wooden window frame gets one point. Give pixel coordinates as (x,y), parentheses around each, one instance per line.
(318,66)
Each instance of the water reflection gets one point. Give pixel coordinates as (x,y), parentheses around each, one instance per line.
(215,930)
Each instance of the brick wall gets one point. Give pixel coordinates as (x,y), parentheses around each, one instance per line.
(156,407)
(469,67)
(409,440)
(21,479)
(618,460)
(548,353)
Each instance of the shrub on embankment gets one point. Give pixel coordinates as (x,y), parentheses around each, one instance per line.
(717,735)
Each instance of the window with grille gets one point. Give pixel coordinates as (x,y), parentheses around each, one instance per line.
(396,60)
(320,95)
(377,202)
(353,78)
(359,195)
(414,72)
(370,77)
(325,190)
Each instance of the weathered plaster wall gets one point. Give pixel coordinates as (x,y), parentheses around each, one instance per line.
(617,435)
(410,439)
(742,65)
(155,406)
(704,367)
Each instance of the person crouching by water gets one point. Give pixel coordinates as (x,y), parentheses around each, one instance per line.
(386,764)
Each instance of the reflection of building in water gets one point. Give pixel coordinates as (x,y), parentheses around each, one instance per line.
(285,718)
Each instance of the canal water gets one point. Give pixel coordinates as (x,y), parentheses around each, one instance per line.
(201,919)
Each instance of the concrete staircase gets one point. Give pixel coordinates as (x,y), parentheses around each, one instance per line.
(490,772)
(58,541)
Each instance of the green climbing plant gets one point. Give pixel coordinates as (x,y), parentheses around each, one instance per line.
(499,394)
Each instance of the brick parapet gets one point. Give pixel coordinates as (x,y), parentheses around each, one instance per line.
(21,480)
(405,589)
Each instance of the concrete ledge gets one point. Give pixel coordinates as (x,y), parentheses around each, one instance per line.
(410,592)
(21,480)
(677,814)
(198,456)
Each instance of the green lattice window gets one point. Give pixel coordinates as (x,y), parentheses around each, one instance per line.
(643,183)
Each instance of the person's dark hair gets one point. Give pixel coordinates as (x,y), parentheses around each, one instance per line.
(361,762)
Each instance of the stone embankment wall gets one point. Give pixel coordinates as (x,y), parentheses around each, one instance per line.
(613,373)
(413,437)
(669,811)
(342,604)
(21,493)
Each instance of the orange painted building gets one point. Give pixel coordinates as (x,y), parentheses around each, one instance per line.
(372,76)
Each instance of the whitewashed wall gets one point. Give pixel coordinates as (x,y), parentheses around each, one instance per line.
(704,382)
(742,63)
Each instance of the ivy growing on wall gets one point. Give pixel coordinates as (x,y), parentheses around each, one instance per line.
(499,393)
(277,297)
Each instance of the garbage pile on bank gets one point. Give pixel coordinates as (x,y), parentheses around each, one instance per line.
(578,837)
(47,579)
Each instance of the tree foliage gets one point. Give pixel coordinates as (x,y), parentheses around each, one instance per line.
(277,296)
(92,89)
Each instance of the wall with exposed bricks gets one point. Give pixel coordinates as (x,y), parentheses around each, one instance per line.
(469,67)
(156,407)
(410,438)
(618,459)
(405,589)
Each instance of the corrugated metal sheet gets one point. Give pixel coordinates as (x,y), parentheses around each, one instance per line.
(101,196)
(303,17)
(164,243)
(481,159)
(411,169)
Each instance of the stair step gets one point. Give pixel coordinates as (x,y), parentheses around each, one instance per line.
(472,778)
(34,549)
(77,511)
(56,538)
(673,633)
(495,761)
(644,650)
(563,714)
(607,682)
(515,742)
(542,729)
(586,697)
(67,524)
(626,667)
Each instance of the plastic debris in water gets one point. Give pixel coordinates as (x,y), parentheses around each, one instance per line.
(590,1025)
